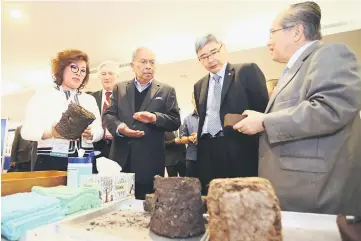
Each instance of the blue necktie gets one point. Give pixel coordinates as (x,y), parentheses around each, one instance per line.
(214,121)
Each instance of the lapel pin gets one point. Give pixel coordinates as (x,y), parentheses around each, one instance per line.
(229,73)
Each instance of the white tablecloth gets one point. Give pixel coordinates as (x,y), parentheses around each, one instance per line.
(307,221)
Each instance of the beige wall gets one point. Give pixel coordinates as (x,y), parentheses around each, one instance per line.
(182,75)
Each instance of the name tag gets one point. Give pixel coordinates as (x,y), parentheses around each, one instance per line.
(60,148)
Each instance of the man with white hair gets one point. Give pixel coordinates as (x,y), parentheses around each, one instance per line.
(108,74)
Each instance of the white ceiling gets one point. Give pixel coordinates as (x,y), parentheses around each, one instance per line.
(113,29)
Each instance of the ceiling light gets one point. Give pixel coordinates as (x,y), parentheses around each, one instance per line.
(16,14)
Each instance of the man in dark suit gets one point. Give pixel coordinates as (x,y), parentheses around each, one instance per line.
(174,155)
(228,88)
(21,151)
(108,74)
(141,110)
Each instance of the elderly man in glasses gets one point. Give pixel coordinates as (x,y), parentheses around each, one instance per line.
(141,110)
(227,89)
(310,141)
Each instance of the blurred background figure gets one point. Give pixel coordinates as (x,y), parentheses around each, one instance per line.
(108,75)
(189,137)
(271,85)
(20,153)
(175,152)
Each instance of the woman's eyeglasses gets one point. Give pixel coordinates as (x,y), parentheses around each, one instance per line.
(75,69)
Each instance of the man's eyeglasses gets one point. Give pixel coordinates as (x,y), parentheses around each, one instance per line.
(271,32)
(204,57)
(75,69)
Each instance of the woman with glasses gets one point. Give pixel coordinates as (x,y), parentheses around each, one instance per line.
(70,69)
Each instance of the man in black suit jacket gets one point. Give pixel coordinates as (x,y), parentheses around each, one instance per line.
(141,110)
(222,151)
(108,74)
(175,154)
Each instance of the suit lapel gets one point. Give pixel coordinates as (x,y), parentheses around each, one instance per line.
(286,79)
(204,94)
(150,95)
(228,77)
(131,95)
(98,98)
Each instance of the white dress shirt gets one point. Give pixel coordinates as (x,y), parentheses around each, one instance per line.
(45,109)
(220,73)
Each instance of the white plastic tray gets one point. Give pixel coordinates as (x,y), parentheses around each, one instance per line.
(296,227)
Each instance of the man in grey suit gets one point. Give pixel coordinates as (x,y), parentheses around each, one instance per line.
(311,132)
(140,111)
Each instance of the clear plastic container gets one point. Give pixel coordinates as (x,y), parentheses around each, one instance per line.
(78,166)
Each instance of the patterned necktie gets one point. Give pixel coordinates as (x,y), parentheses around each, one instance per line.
(107,102)
(214,121)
